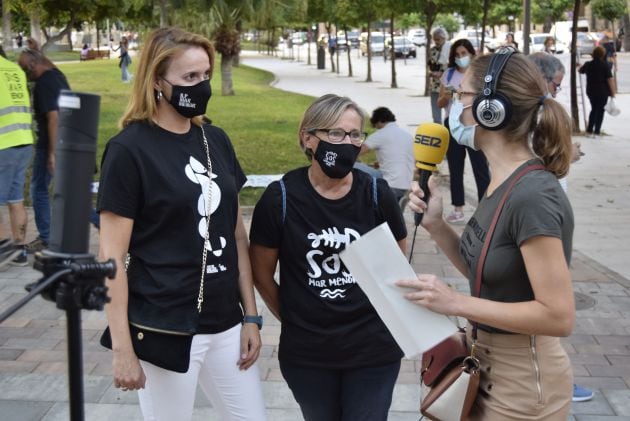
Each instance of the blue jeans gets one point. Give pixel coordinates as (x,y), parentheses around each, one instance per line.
(40,182)
(13,164)
(363,393)
(125,73)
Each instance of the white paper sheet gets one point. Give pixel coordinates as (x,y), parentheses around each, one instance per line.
(376,262)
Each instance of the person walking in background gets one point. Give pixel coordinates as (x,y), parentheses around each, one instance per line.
(394,151)
(16,150)
(125,59)
(168,198)
(460,56)
(526,297)
(610,52)
(599,86)
(49,81)
(552,71)
(438,60)
(337,356)
(510,41)
(550,45)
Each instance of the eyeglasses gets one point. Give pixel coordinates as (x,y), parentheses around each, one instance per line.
(338,135)
(460,94)
(555,85)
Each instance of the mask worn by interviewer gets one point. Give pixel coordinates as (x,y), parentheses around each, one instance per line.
(336,159)
(464,135)
(190,101)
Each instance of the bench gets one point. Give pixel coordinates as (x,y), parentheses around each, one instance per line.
(93,54)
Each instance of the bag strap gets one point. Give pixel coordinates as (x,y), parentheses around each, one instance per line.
(493,225)
(208,212)
(449,75)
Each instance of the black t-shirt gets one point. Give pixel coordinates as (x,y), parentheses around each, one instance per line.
(159,179)
(327,321)
(536,206)
(597,75)
(46,99)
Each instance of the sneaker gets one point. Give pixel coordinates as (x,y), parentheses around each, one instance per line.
(36,245)
(21,259)
(8,252)
(455,217)
(581,394)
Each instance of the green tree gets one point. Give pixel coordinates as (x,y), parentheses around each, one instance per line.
(546,12)
(611,10)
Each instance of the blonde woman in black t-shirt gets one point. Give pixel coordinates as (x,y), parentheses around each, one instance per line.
(168,198)
(526,300)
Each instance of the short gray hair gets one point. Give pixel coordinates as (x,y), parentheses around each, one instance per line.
(547,64)
(439,32)
(323,113)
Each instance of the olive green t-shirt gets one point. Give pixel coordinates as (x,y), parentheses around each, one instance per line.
(536,206)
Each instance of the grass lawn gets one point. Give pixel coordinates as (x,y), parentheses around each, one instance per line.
(261,121)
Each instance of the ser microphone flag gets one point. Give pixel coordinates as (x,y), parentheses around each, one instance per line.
(429,147)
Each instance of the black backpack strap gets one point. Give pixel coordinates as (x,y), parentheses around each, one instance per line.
(284,200)
(374,192)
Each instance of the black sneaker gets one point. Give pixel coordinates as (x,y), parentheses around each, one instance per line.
(21,259)
(8,252)
(36,245)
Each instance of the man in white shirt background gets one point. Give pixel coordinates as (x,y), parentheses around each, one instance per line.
(394,151)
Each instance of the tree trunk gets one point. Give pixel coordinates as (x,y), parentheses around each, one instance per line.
(391,35)
(227,88)
(163,13)
(369,53)
(626,32)
(484,22)
(349,52)
(6,26)
(36,27)
(575,112)
(328,26)
(547,24)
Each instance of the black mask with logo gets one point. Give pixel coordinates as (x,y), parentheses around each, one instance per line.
(336,159)
(190,101)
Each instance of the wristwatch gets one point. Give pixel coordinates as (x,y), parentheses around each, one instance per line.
(254,319)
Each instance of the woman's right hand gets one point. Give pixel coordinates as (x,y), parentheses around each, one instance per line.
(128,373)
(433,211)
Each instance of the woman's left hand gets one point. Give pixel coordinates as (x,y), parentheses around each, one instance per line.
(250,345)
(430,292)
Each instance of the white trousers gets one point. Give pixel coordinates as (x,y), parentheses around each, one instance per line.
(235,394)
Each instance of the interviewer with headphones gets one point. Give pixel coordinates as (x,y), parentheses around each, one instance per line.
(526,299)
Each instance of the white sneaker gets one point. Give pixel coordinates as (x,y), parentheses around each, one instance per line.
(455,217)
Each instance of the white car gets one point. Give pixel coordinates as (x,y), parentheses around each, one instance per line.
(418,36)
(377,43)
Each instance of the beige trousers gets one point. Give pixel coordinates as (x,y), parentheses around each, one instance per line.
(522,378)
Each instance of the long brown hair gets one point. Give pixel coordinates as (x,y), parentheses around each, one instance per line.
(535,116)
(159,49)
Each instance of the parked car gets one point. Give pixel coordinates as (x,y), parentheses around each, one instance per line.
(299,38)
(474,36)
(537,43)
(585,43)
(353,39)
(377,43)
(403,47)
(418,37)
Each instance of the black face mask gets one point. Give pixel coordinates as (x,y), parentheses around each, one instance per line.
(190,101)
(336,159)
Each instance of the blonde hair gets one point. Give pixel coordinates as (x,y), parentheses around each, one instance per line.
(534,115)
(161,46)
(323,113)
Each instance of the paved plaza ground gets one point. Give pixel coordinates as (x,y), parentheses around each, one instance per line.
(33,369)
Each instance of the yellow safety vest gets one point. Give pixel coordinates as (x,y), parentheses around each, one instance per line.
(15,106)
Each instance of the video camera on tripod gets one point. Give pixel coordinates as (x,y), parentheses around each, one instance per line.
(72,276)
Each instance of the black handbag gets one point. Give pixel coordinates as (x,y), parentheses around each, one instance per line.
(168,350)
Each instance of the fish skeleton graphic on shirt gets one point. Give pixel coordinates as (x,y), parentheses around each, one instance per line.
(325,269)
(198,174)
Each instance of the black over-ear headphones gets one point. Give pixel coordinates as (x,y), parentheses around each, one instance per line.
(491,109)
